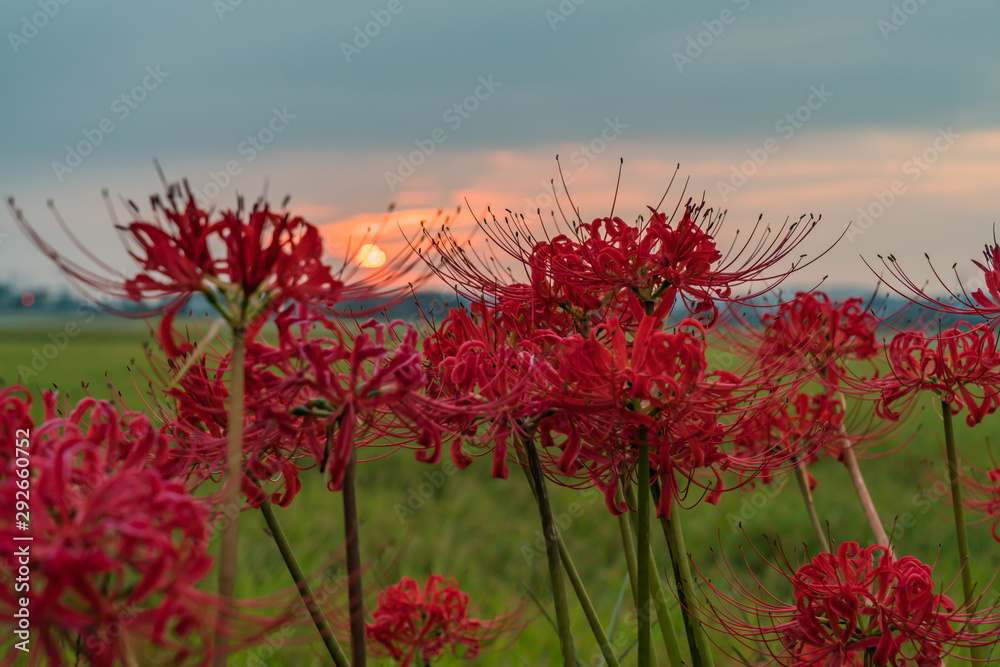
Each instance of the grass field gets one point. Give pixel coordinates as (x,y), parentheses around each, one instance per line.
(423,519)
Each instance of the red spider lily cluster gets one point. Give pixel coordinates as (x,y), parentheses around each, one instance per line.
(582,357)
(413,624)
(118,542)
(827,351)
(311,399)
(860,605)
(592,363)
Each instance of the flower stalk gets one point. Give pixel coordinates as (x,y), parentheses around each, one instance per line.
(231,494)
(581,592)
(355,589)
(961,536)
(302,584)
(701,650)
(628,546)
(802,477)
(851,462)
(551,553)
(588,607)
(659,597)
(643,550)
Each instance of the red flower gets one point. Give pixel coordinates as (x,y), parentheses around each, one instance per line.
(242,262)
(245,263)
(197,416)
(586,273)
(960,302)
(961,365)
(410,623)
(613,391)
(820,334)
(488,381)
(805,423)
(368,385)
(310,400)
(859,603)
(117,545)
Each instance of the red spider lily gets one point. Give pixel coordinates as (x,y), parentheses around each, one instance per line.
(822,334)
(807,423)
(853,605)
(117,545)
(245,263)
(961,365)
(410,624)
(371,381)
(272,437)
(961,302)
(312,399)
(609,269)
(487,380)
(613,391)
(15,415)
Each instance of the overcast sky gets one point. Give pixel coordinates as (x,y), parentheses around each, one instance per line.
(780,109)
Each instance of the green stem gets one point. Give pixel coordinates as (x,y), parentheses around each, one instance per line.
(588,607)
(231,496)
(802,477)
(551,553)
(954,479)
(701,649)
(642,550)
(628,545)
(355,590)
(660,601)
(581,592)
(305,590)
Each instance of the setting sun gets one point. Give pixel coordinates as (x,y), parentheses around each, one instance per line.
(370,256)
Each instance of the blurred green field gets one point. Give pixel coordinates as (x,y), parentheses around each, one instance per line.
(483,532)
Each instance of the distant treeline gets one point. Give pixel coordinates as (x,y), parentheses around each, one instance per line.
(42,301)
(435,305)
